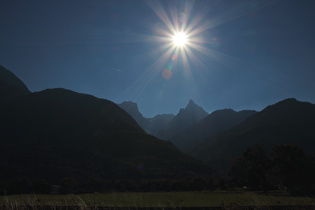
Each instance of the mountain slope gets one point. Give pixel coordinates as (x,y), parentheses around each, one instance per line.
(11,87)
(159,122)
(132,109)
(215,123)
(289,121)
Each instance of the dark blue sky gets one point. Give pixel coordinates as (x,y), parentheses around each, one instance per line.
(248,54)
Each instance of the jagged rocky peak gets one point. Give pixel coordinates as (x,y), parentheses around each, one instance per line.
(193,107)
(132,109)
(129,105)
(190,115)
(191,104)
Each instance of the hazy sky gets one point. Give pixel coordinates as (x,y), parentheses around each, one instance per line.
(240,55)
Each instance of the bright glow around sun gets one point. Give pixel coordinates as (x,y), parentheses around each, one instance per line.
(180,39)
(186,37)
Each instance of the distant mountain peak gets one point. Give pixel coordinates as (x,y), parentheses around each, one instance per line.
(186,117)
(193,107)
(191,103)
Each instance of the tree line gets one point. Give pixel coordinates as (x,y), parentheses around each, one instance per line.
(286,168)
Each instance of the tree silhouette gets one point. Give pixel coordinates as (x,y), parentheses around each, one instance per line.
(250,169)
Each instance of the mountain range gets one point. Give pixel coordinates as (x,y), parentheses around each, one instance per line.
(165,126)
(190,126)
(219,137)
(58,134)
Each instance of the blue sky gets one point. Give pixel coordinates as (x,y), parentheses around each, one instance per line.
(244,54)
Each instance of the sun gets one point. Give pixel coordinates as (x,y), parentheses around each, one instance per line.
(180,39)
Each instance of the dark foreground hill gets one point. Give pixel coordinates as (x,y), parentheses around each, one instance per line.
(59,136)
(286,122)
(57,133)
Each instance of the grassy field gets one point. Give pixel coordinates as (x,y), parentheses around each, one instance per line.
(157,199)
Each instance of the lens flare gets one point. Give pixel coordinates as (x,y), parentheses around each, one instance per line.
(167,74)
(174,57)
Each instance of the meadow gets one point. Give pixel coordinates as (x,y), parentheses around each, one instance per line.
(157,200)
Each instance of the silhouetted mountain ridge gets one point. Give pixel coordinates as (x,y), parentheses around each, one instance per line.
(132,109)
(212,125)
(191,125)
(11,79)
(288,121)
(59,118)
(57,133)
(166,125)
(11,87)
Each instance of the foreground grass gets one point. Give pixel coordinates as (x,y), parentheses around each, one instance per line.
(157,199)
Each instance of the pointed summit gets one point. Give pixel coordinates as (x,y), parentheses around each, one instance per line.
(185,117)
(191,103)
(193,109)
